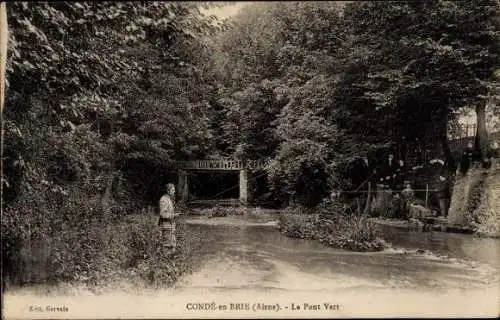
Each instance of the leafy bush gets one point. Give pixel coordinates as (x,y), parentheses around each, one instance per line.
(336,229)
(359,234)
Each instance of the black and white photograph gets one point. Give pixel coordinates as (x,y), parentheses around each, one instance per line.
(275,159)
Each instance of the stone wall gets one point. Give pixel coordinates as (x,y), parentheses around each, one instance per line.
(476,198)
(487,213)
(461,195)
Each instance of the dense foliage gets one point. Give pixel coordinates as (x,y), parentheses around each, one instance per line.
(334,81)
(102,98)
(93,92)
(309,85)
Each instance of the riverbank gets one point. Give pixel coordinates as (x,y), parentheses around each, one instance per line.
(428,224)
(350,232)
(423,224)
(123,255)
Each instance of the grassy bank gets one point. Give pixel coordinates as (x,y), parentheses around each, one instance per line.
(476,201)
(126,253)
(332,227)
(486,199)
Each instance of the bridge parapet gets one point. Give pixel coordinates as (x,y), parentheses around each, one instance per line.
(222,164)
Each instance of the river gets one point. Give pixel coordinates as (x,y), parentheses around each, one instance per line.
(254,255)
(246,260)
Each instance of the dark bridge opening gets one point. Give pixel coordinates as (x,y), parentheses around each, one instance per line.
(213,185)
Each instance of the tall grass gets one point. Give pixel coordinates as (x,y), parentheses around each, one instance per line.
(126,252)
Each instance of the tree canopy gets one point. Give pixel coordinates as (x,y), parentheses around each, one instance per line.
(99,92)
(107,96)
(334,81)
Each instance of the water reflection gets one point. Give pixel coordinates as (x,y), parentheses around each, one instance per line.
(454,245)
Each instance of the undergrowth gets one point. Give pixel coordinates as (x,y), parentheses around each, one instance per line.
(486,217)
(333,226)
(95,254)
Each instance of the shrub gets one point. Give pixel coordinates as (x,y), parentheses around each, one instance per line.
(359,234)
(222,211)
(298,225)
(333,226)
(486,217)
(475,196)
(99,254)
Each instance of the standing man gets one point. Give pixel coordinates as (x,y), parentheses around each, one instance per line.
(408,196)
(167,217)
(364,183)
(441,186)
(361,174)
(388,169)
(493,153)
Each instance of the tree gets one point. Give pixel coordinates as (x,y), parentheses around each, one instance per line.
(277,68)
(75,71)
(426,60)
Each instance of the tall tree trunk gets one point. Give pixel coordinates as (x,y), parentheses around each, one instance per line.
(481,139)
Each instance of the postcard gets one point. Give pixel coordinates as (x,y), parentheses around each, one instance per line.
(221,160)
